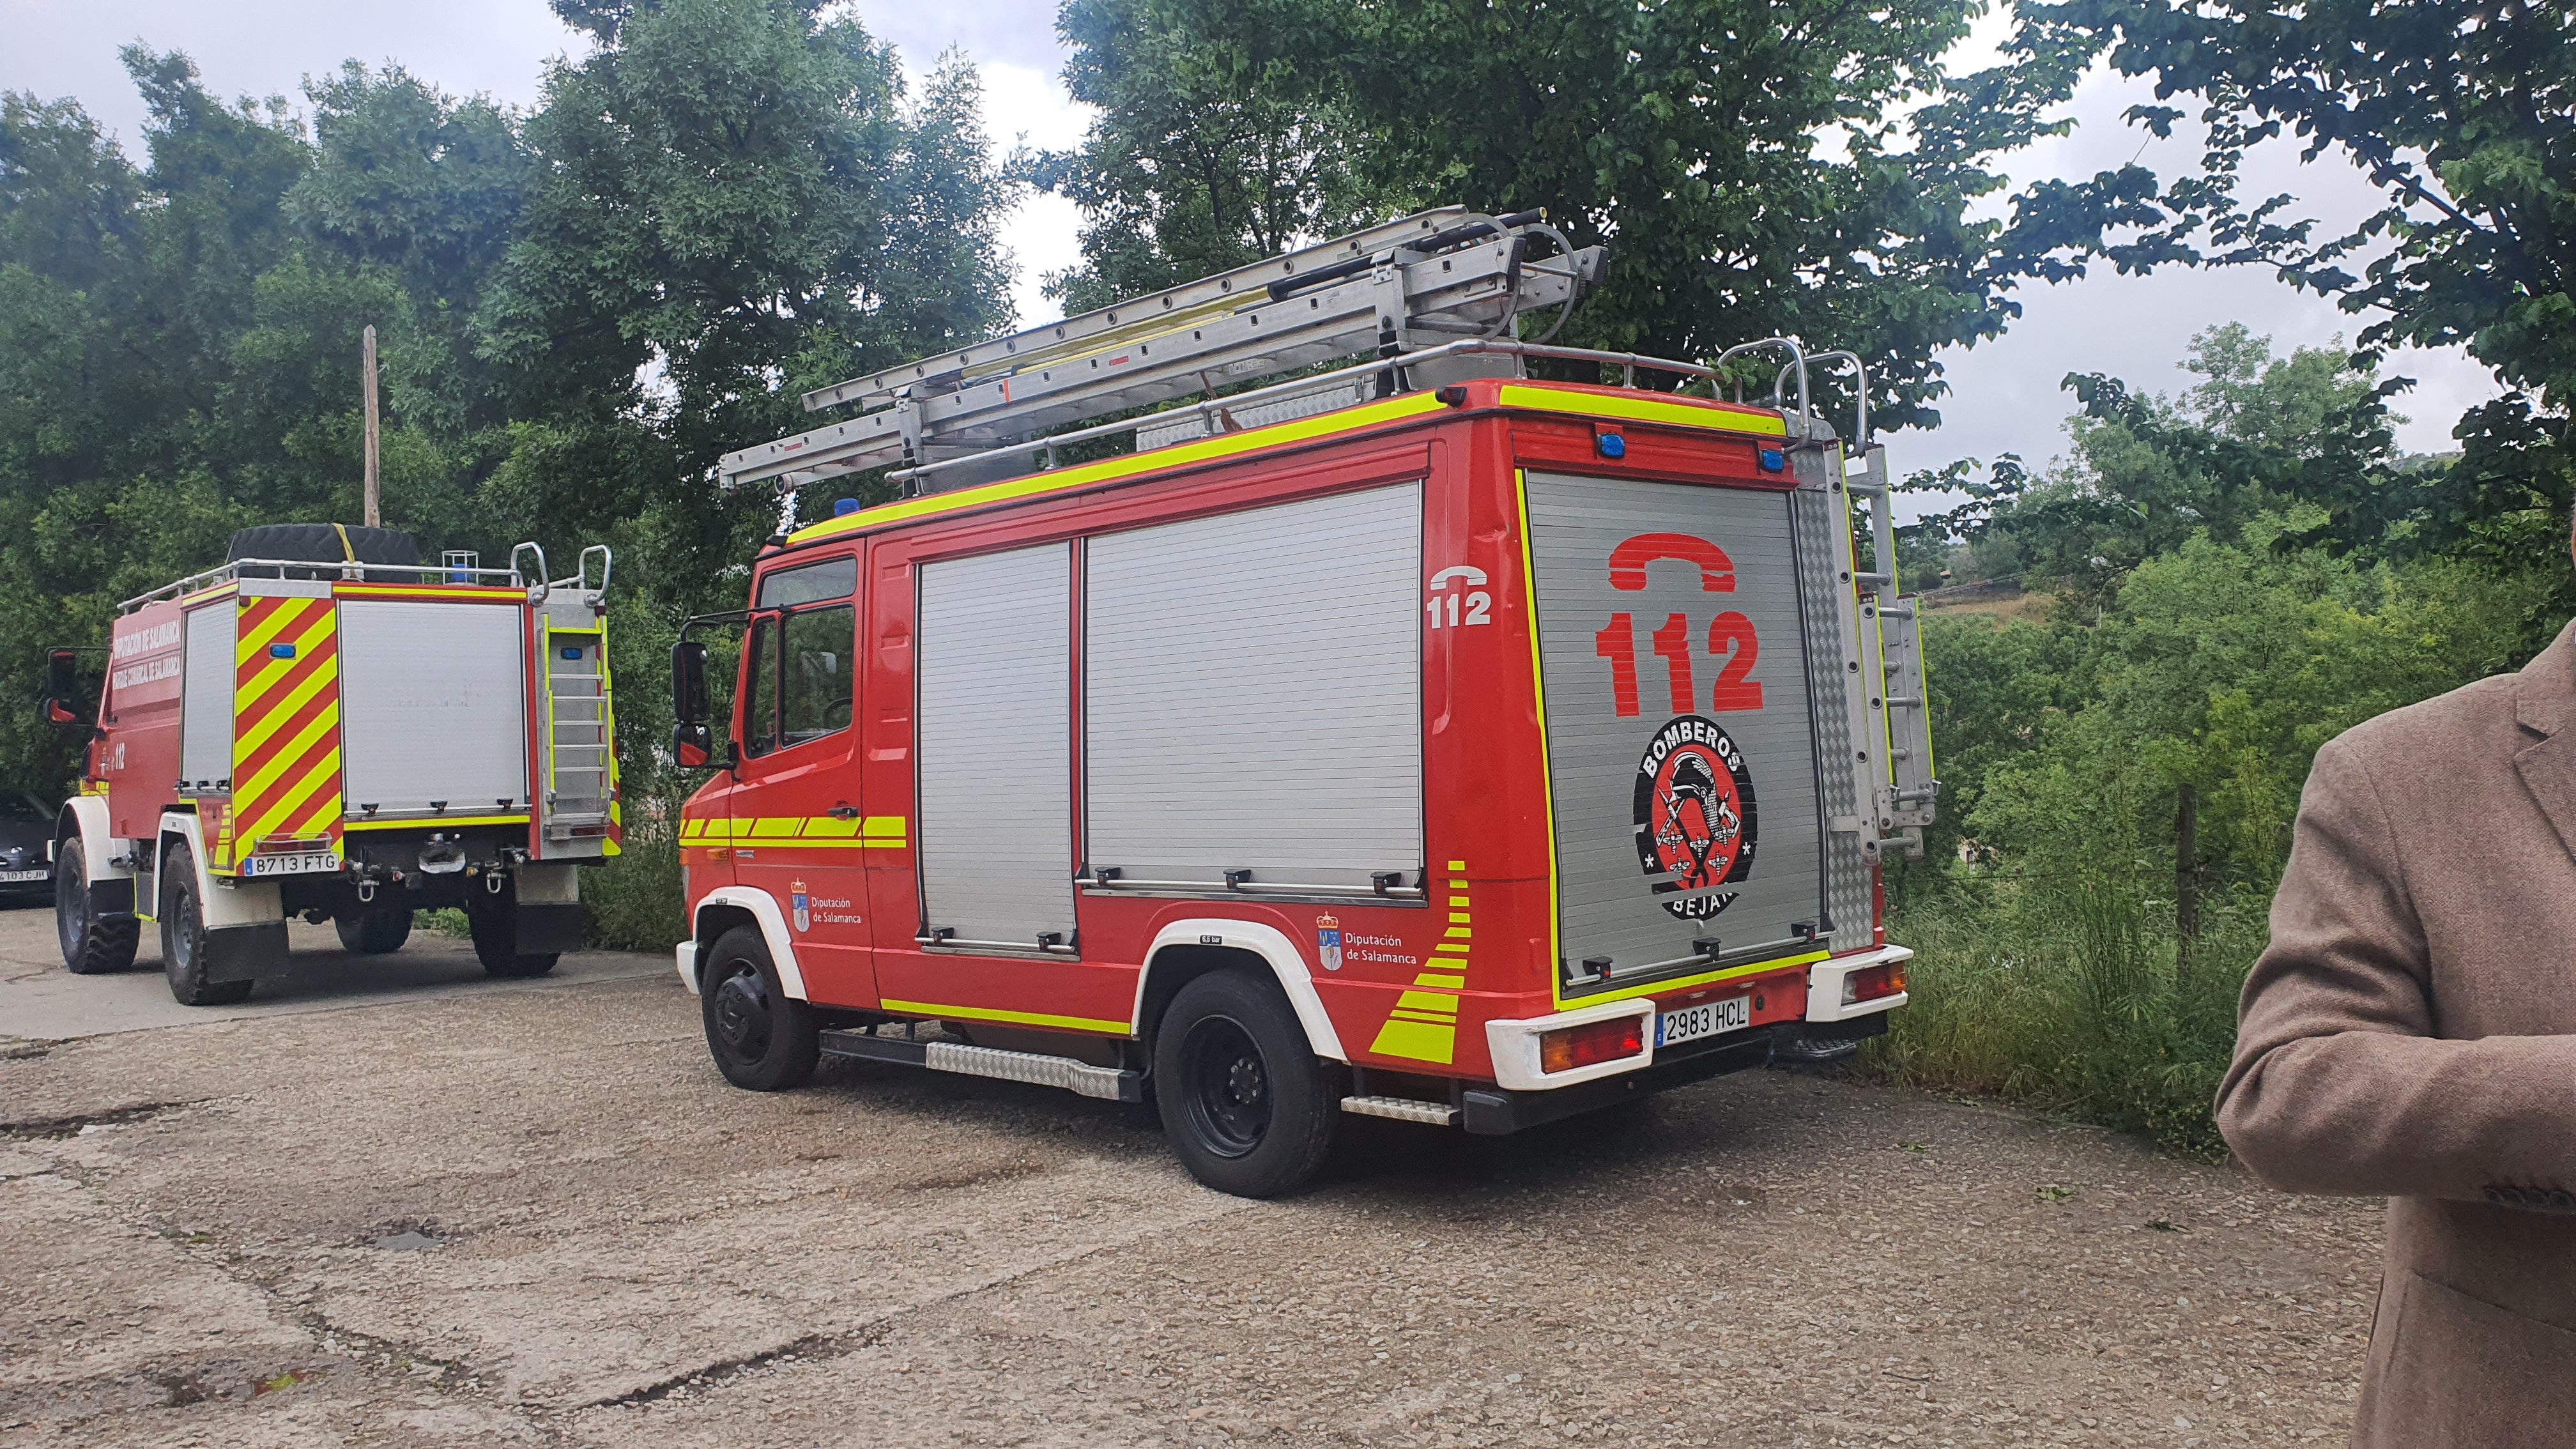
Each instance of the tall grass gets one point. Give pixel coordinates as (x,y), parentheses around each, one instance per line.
(634,902)
(2075,997)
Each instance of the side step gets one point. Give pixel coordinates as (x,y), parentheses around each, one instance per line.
(1403,1109)
(1109,1084)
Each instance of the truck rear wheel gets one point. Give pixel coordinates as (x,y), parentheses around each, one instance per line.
(91,943)
(1248,1107)
(494,921)
(763,1040)
(374,932)
(183,936)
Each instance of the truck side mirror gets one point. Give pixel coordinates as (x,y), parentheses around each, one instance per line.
(692,740)
(62,688)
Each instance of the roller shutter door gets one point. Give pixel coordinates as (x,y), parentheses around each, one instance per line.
(206,710)
(1681,769)
(1253,694)
(433,707)
(996,758)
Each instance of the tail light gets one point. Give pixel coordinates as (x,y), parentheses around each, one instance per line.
(1872,982)
(1568,1047)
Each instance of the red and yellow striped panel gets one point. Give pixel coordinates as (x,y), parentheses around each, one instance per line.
(286,723)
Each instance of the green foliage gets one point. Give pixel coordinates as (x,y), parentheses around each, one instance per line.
(2119,777)
(2464,115)
(578,308)
(1804,168)
(2072,998)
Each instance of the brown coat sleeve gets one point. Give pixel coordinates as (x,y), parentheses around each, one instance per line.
(2339,1085)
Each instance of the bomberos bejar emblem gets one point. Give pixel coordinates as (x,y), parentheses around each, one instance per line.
(1695,817)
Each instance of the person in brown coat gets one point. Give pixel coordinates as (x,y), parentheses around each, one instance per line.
(2411,1032)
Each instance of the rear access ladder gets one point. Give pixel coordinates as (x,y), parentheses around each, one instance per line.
(577,791)
(1905,800)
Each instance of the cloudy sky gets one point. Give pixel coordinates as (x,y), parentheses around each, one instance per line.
(2005,394)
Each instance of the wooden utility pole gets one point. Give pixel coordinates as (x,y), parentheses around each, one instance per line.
(2187,866)
(367,385)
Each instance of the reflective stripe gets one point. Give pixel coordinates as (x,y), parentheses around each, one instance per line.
(1423,1024)
(286,725)
(805,832)
(1643,410)
(1015,1018)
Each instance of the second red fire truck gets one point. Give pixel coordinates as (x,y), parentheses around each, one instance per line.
(1423,740)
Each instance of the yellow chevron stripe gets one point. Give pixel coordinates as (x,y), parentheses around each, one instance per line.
(277,669)
(323,721)
(252,733)
(254,641)
(276,819)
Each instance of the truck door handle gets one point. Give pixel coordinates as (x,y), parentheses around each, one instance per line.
(845,812)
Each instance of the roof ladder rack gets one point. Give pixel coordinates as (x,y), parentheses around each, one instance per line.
(1407,286)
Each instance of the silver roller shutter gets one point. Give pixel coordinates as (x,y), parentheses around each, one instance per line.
(1253,689)
(206,707)
(433,706)
(996,757)
(1612,906)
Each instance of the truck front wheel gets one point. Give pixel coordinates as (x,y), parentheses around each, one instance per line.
(1248,1107)
(183,936)
(91,943)
(763,1040)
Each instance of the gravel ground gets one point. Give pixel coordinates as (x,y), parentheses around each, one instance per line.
(537,1216)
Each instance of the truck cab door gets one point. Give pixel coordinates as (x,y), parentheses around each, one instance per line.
(798,822)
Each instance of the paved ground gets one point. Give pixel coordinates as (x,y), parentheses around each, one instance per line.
(456,1212)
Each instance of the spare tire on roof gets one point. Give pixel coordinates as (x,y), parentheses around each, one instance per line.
(323,543)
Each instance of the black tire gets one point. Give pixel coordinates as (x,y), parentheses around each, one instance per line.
(377,931)
(494,922)
(1245,1102)
(762,1040)
(92,944)
(183,936)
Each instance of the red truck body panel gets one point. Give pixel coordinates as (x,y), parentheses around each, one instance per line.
(1412,981)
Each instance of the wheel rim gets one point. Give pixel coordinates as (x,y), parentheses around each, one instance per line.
(742,1013)
(71,916)
(1226,1085)
(179,936)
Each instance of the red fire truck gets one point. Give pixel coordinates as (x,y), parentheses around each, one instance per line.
(325,727)
(1419,739)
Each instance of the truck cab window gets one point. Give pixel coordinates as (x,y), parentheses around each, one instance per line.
(760,709)
(802,686)
(814,693)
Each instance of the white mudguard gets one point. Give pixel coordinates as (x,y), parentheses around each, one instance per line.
(1272,947)
(773,930)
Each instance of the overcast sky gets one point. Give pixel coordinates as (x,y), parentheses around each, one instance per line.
(2005,395)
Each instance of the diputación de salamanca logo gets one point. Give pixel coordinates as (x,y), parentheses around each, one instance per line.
(1695,818)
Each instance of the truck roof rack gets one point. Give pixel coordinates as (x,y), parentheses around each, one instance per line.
(1405,287)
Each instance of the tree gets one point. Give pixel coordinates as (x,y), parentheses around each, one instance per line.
(2463,113)
(2303,446)
(1804,168)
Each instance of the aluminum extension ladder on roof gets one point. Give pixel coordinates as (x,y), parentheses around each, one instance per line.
(1402,287)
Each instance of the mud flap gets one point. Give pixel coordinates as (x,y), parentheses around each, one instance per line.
(246,953)
(549,928)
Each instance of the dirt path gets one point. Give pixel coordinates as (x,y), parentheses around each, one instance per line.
(537,1216)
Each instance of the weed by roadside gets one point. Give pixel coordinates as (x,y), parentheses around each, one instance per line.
(2075,998)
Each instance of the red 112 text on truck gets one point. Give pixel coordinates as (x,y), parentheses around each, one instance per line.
(1420,739)
(322,726)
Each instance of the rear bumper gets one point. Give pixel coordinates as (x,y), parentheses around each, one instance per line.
(1825,985)
(1494,1111)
